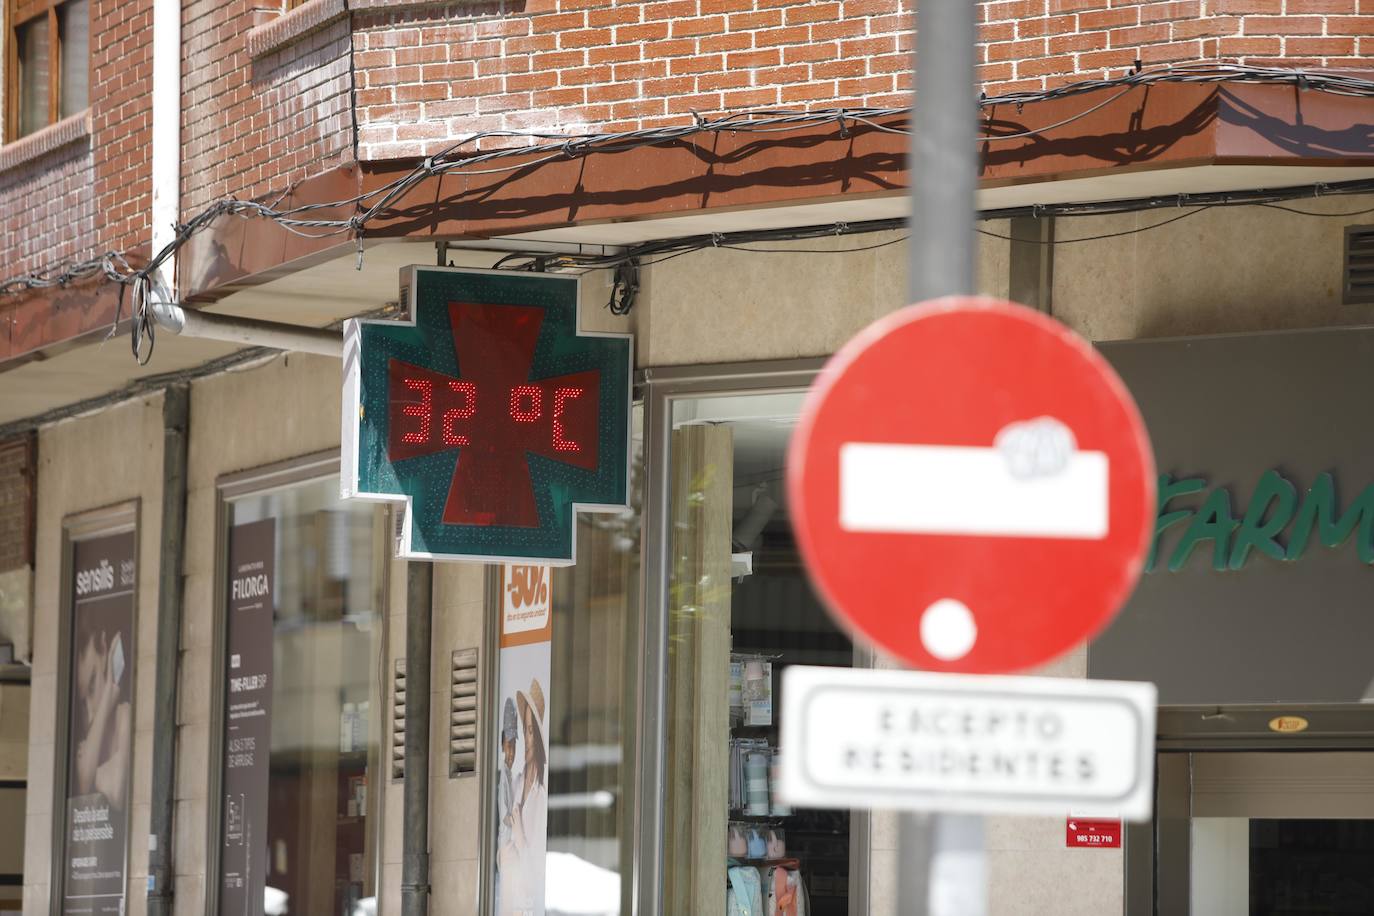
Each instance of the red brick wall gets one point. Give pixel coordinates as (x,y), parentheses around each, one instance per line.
(250,127)
(50,211)
(16,503)
(1033,43)
(428,76)
(122,120)
(588,65)
(93,195)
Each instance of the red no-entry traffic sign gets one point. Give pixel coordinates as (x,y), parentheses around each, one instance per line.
(971,486)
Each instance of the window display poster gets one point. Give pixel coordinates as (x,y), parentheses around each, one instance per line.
(523,759)
(248,717)
(100,723)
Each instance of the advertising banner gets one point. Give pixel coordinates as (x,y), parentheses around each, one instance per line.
(522,768)
(100,719)
(1257,586)
(248,717)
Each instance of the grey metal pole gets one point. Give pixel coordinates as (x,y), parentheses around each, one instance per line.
(253,331)
(944,147)
(940,859)
(176,414)
(415,841)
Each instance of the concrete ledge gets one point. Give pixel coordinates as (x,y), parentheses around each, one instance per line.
(41,143)
(292,26)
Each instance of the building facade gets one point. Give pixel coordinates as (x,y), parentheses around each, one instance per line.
(1183,183)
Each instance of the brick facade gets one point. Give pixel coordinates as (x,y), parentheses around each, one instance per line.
(17,472)
(573,66)
(431,75)
(252,126)
(1029,44)
(54,192)
(267,97)
(89,194)
(122,120)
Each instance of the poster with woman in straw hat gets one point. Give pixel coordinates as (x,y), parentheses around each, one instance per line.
(522,779)
(531,813)
(520,860)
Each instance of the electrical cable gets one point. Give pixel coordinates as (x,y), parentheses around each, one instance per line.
(308,220)
(624,288)
(1298,212)
(1097,238)
(997,138)
(857,248)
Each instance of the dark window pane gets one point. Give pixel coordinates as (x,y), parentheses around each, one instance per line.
(74,27)
(33,75)
(591,734)
(1311,866)
(317,852)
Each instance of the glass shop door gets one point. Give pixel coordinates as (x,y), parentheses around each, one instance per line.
(1274,825)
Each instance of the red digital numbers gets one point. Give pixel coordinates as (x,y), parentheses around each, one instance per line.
(561,396)
(526,407)
(420,411)
(526,403)
(469,392)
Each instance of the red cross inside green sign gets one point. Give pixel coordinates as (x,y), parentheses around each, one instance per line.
(489,414)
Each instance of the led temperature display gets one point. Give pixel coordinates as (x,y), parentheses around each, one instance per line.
(495,414)
(491,415)
(526,406)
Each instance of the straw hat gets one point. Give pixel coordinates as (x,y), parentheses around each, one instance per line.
(536,699)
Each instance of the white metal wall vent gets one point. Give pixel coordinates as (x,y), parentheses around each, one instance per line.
(462,740)
(1357,267)
(398,721)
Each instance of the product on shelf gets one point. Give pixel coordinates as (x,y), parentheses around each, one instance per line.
(736,692)
(758,692)
(779,807)
(745,894)
(761,879)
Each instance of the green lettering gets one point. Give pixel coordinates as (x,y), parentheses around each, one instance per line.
(1213,522)
(1258,532)
(1169,489)
(1319,511)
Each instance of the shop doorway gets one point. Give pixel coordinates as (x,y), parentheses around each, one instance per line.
(1259,812)
(740,610)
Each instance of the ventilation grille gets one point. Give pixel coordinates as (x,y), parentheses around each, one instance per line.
(462,736)
(1357,278)
(398,721)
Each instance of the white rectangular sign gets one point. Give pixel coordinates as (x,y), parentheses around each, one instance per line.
(943,742)
(942,489)
(527,598)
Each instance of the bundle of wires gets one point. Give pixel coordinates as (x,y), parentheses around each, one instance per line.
(527,150)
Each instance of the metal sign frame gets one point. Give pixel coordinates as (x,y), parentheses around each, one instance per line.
(359,481)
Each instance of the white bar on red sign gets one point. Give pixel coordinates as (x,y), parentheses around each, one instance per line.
(942,489)
(939,742)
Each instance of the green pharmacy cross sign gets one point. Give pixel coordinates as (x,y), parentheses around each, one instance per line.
(488,414)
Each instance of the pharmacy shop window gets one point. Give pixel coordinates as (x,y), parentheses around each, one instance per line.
(740,610)
(563,777)
(299,770)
